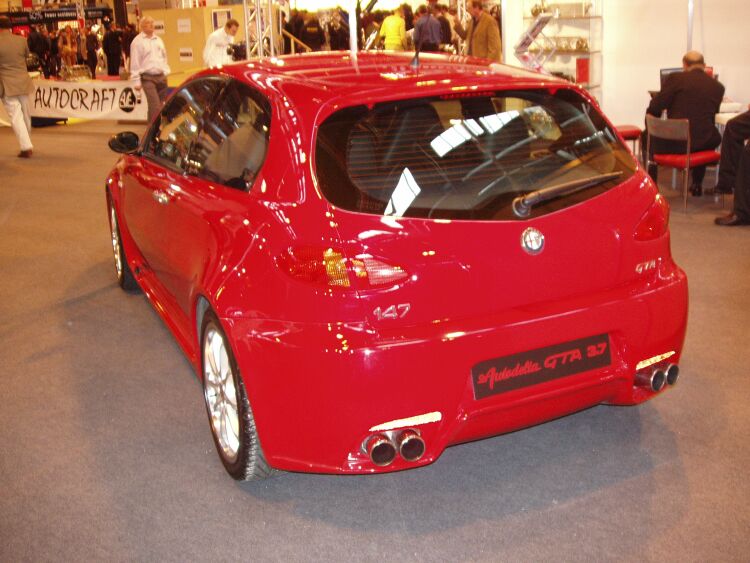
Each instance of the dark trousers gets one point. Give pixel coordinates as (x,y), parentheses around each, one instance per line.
(113,64)
(742,185)
(736,133)
(663,146)
(91,62)
(54,65)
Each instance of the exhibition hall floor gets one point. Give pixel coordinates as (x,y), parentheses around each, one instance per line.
(106,453)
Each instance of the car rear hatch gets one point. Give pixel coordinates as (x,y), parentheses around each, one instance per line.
(428,195)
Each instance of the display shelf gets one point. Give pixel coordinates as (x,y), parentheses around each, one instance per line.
(570,44)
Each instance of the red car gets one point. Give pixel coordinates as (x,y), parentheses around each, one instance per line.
(368,260)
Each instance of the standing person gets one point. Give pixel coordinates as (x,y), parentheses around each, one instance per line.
(450,14)
(79,49)
(149,67)
(35,41)
(215,52)
(482,35)
(15,84)
(67,46)
(47,48)
(736,133)
(440,13)
(92,44)
(112,46)
(338,36)
(393,31)
(128,35)
(695,96)
(39,45)
(408,16)
(54,54)
(426,31)
(312,34)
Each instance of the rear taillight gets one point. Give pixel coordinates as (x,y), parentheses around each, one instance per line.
(376,272)
(329,267)
(655,221)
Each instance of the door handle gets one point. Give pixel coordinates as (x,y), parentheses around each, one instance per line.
(160,198)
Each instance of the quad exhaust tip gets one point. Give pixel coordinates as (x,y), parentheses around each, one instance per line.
(382,448)
(673,373)
(654,381)
(410,445)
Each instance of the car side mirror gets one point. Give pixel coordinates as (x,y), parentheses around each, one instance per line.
(125,142)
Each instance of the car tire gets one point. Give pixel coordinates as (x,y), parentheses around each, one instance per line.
(125,277)
(229,414)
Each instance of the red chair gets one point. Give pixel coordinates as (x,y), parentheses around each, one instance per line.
(630,133)
(677,130)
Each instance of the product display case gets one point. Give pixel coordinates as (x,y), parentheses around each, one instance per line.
(570,44)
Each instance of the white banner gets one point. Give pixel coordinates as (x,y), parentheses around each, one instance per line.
(92,99)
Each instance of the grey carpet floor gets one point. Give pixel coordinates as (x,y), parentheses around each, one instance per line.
(105,450)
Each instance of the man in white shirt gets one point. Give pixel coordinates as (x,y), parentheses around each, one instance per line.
(148,66)
(215,52)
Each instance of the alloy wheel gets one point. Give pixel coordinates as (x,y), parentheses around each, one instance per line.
(221,394)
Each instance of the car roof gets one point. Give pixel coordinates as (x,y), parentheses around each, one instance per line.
(340,74)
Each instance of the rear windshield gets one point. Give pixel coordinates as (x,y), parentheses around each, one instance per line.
(467,157)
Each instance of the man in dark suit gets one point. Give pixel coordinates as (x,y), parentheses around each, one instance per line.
(15,84)
(740,214)
(736,134)
(695,96)
(39,44)
(112,46)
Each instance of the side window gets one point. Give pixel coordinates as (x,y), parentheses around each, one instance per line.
(232,146)
(179,122)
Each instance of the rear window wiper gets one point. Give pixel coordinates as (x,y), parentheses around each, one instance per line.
(522,204)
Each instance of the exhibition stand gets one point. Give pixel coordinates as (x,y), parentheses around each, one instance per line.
(91,99)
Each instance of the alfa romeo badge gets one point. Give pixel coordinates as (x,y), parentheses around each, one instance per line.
(532,241)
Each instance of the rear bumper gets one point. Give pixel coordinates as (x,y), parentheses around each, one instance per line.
(317,390)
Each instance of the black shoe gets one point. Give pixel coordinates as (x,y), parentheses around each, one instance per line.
(731,220)
(696,190)
(25,154)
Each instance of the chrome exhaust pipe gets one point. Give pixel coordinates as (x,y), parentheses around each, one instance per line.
(654,380)
(380,450)
(673,373)
(410,445)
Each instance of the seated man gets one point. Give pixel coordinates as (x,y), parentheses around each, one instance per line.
(736,133)
(695,96)
(741,213)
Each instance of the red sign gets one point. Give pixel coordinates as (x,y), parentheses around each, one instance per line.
(583,74)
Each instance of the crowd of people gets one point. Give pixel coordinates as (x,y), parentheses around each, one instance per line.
(432,27)
(68,46)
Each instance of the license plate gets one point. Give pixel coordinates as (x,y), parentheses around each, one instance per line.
(499,375)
